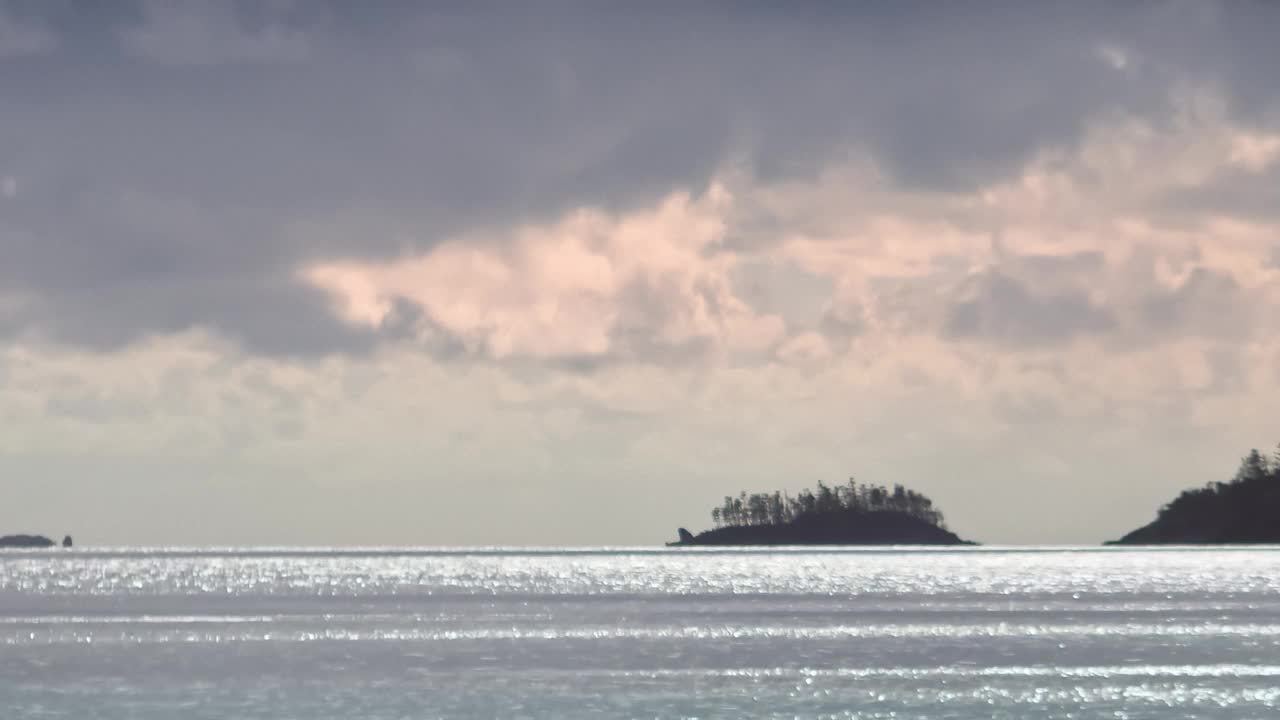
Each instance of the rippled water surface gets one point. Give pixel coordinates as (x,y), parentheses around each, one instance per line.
(884,633)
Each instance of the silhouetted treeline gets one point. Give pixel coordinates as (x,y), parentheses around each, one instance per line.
(779,508)
(1243,510)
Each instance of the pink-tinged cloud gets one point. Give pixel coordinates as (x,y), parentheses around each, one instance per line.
(588,285)
(1079,245)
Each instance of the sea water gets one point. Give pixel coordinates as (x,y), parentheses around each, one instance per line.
(556,633)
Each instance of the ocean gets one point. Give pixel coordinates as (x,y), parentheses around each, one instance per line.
(975,632)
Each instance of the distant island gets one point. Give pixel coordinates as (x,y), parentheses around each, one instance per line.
(852,514)
(1244,510)
(31,541)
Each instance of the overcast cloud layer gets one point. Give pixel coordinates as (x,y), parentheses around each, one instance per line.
(549,273)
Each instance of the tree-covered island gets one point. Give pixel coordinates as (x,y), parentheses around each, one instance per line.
(851,514)
(25,541)
(1244,510)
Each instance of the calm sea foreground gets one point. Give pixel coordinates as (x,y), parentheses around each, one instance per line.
(553,633)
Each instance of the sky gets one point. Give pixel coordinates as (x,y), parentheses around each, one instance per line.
(562,273)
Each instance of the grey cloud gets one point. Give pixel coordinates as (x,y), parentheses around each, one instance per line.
(208,33)
(1034,300)
(1228,368)
(1045,267)
(1039,300)
(999,308)
(784,290)
(1248,32)
(1028,407)
(1207,303)
(20,35)
(443,119)
(1240,193)
(408,322)
(841,323)
(95,406)
(649,304)
(274,316)
(129,266)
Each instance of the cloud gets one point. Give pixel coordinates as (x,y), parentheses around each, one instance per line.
(207,32)
(998,308)
(1206,302)
(21,36)
(256,252)
(386,134)
(589,285)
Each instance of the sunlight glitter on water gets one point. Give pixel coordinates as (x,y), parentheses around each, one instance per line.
(659,633)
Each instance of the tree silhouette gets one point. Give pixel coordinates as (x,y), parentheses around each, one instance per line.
(1243,510)
(853,499)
